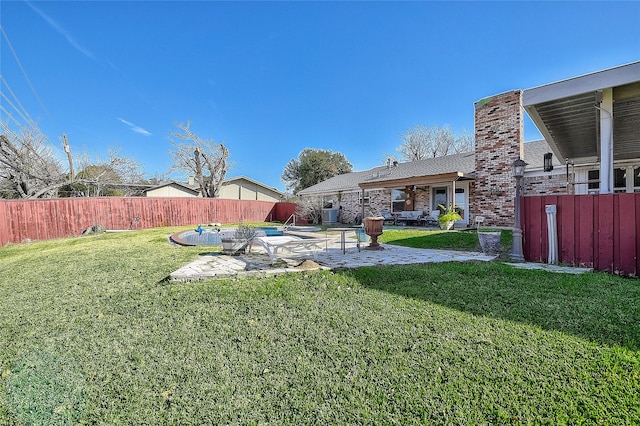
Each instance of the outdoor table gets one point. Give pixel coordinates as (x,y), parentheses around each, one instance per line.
(343,236)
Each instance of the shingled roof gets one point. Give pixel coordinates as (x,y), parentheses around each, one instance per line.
(462,164)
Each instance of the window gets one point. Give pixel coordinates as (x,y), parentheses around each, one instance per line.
(461,201)
(367,197)
(439,198)
(397,200)
(620,180)
(627,179)
(593,181)
(327,202)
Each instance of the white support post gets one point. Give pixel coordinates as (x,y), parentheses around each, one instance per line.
(453,196)
(606,142)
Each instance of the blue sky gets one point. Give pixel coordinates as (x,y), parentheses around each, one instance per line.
(270,79)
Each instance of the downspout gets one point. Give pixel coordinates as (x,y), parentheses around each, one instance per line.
(362,198)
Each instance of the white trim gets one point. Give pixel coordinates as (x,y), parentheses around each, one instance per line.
(611,77)
(538,172)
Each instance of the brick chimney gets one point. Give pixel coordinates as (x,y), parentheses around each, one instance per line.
(499,138)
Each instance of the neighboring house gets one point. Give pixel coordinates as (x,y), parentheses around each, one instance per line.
(174,189)
(243,188)
(237,188)
(591,126)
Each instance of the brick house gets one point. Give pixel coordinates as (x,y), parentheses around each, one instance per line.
(591,128)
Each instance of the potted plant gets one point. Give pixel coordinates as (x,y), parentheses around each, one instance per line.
(448,216)
(239,240)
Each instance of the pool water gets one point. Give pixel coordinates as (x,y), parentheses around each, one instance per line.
(214,236)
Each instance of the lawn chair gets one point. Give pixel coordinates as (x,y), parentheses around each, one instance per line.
(432,218)
(272,245)
(388,217)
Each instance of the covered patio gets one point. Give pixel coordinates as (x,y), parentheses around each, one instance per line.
(447,189)
(591,123)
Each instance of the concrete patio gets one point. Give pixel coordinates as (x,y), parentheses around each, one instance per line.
(257,262)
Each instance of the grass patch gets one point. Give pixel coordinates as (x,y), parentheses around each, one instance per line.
(466,240)
(90,332)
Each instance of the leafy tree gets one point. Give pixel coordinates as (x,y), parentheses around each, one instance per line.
(204,159)
(314,166)
(422,142)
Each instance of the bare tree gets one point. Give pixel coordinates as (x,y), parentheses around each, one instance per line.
(29,168)
(116,175)
(310,208)
(28,165)
(425,142)
(204,159)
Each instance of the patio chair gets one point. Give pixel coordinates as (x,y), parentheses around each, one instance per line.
(432,218)
(272,245)
(388,217)
(410,217)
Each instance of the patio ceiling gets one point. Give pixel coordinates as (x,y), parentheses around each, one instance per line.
(568,114)
(417,180)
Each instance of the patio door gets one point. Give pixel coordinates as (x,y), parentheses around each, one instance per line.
(461,202)
(440,196)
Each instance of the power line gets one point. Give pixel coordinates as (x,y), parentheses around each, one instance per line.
(8,130)
(14,107)
(24,110)
(24,73)
(9,116)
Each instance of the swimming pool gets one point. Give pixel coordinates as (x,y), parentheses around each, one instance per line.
(213,236)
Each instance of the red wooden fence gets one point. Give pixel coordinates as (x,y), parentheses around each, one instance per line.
(43,219)
(598,231)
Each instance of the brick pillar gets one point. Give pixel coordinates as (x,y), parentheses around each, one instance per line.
(499,138)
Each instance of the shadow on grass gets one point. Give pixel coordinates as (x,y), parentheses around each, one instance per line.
(598,307)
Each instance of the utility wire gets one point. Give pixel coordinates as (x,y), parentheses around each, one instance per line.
(14,107)
(24,73)
(8,130)
(9,116)
(24,110)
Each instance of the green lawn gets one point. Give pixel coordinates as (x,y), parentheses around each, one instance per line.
(436,239)
(92,333)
